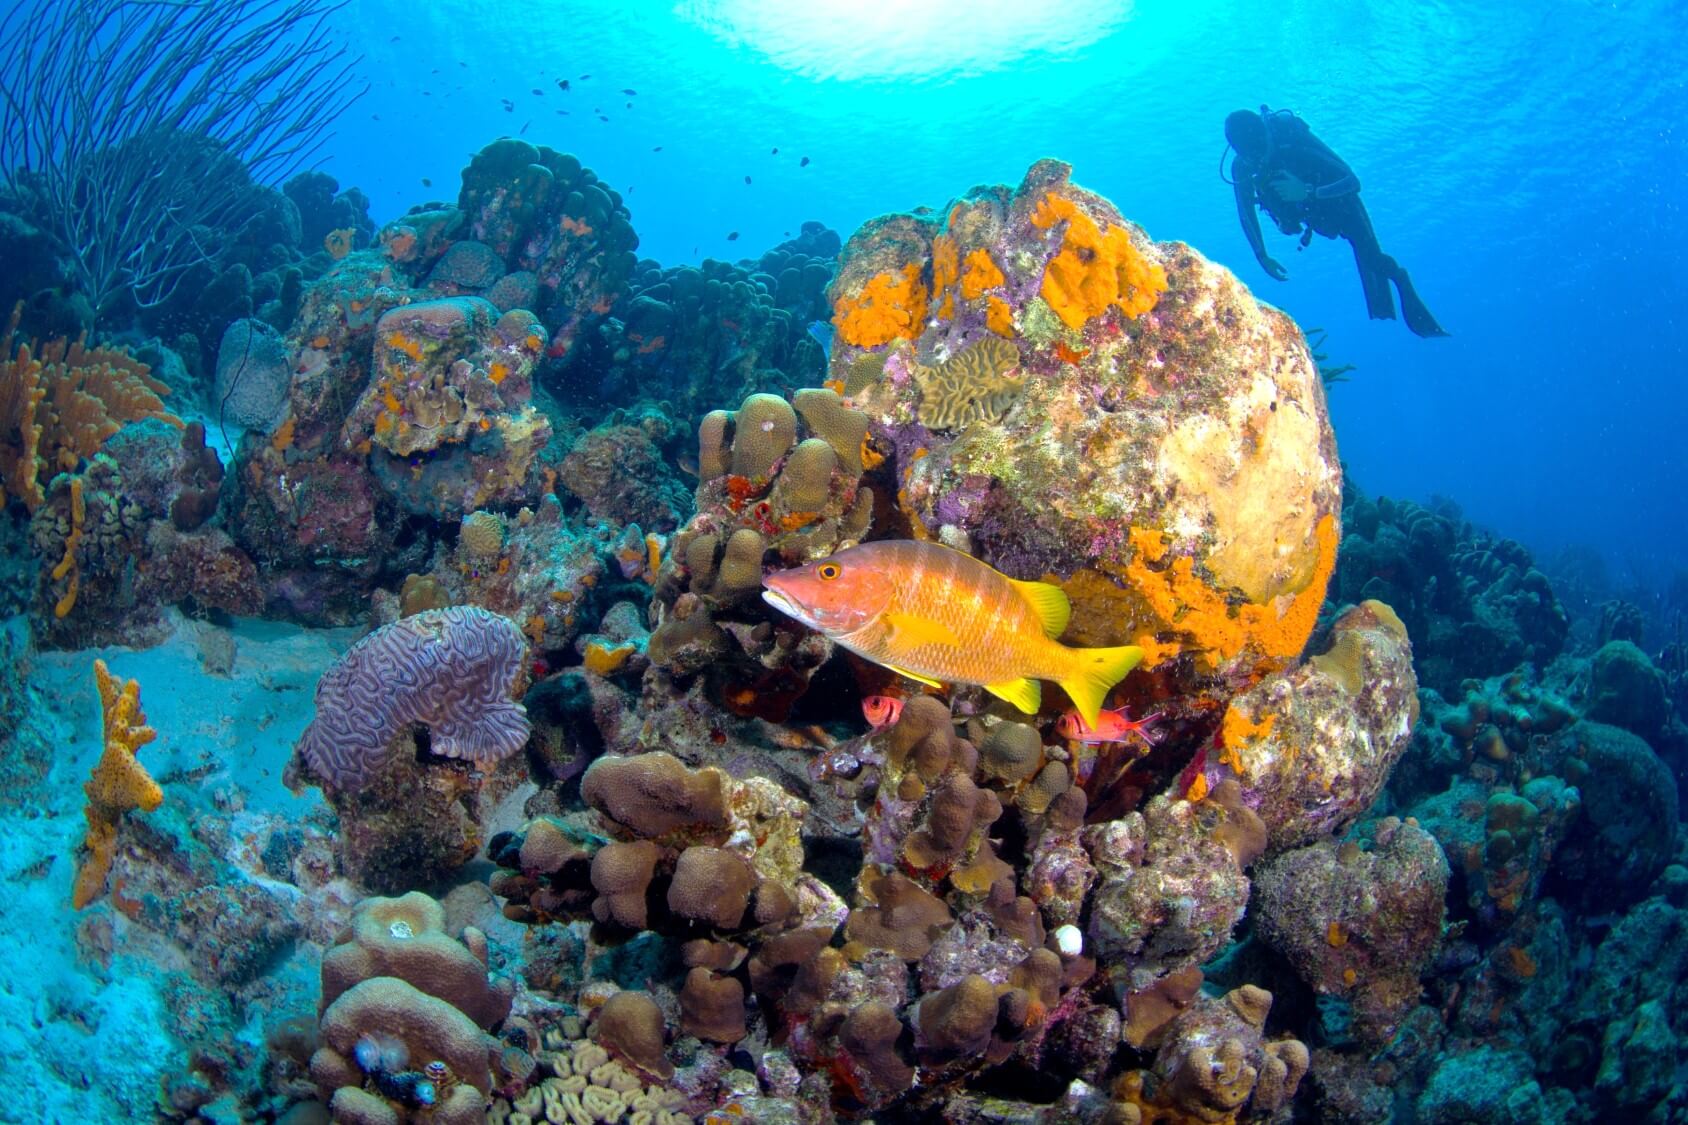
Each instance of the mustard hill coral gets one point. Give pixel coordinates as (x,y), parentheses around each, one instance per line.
(454,669)
(401,998)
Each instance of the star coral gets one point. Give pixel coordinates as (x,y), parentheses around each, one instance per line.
(1095,268)
(119,782)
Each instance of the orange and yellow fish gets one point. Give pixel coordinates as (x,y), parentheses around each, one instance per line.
(939,616)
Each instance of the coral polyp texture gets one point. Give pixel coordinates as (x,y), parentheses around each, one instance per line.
(453,669)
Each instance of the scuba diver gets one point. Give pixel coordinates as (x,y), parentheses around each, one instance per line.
(1308,189)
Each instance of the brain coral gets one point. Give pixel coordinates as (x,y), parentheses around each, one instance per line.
(450,668)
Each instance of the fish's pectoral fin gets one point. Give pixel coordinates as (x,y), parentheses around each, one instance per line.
(1095,672)
(908,631)
(1049,602)
(1025,694)
(915,676)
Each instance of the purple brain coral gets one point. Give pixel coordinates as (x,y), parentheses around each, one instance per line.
(453,669)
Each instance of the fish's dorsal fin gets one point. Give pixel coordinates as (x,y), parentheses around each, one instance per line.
(915,676)
(1025,694)
(1049,602)
(909,631)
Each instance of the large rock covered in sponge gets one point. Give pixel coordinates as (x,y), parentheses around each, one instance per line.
(454,669)
(1080,401)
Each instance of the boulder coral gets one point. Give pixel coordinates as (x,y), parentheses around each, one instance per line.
(1311,746)
(404,1017)
(1358,923)
(543,213)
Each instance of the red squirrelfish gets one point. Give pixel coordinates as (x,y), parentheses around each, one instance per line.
(1110,726)
(881,711)
(937,615)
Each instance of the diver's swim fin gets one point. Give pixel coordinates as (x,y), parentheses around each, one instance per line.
(1414,311)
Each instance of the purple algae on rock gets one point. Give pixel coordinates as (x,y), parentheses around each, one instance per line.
(451,668)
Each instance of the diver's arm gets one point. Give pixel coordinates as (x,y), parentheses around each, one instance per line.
(1242,185)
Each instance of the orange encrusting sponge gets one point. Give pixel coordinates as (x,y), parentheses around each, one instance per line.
(890,306)
(1094,268)
(1182,602)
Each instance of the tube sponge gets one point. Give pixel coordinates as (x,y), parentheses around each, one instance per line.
(453,669)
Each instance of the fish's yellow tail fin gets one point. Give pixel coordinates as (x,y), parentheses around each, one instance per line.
(1095,672)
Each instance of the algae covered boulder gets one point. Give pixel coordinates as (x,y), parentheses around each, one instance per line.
(1068,398)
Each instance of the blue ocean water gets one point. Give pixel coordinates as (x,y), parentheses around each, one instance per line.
(1527,163)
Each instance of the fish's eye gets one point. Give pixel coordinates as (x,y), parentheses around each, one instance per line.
(829,571)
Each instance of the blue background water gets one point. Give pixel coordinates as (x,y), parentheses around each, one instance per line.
(1528,162)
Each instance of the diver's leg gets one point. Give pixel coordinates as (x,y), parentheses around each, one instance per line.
(1374,280)
(1376,267)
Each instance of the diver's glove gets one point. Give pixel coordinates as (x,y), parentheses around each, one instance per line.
(1271,266)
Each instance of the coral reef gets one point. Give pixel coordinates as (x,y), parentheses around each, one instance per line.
(698,862)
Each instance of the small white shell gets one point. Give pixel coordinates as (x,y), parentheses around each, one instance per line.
(1069,939)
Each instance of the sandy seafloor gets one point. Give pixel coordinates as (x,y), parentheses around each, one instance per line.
(79,1045)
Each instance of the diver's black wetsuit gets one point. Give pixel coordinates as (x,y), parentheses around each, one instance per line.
(1331,207)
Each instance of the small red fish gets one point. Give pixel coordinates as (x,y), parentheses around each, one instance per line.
(1111,726)
(881,711)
